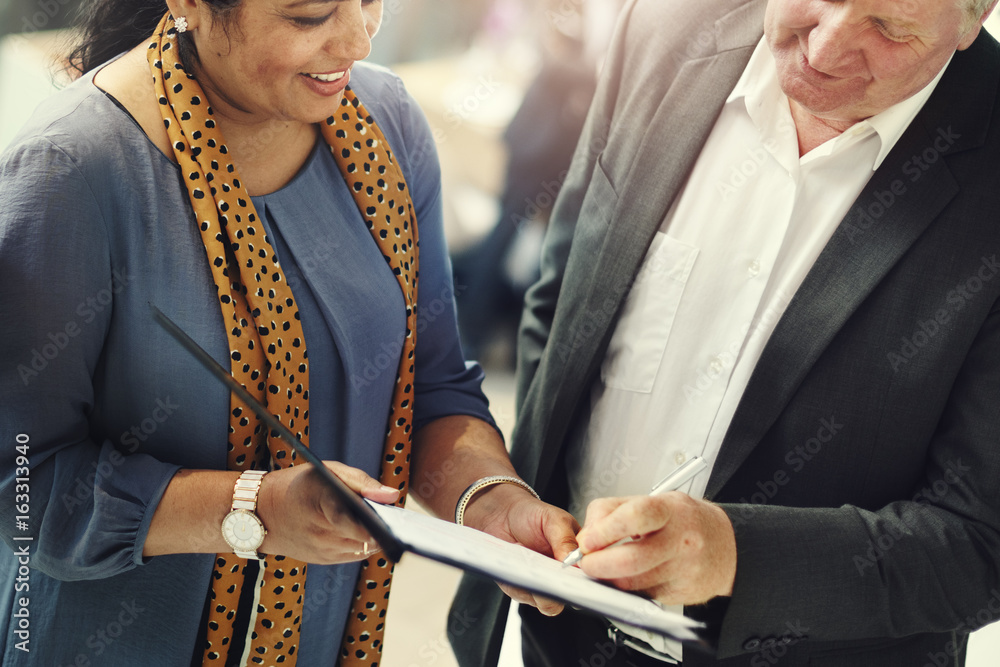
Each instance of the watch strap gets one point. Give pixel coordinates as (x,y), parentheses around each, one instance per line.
(245,494)
(246,490)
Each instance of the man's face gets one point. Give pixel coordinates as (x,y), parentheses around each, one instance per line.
(847,60)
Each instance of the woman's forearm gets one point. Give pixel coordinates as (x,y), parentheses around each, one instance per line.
(451,453)
(189,516)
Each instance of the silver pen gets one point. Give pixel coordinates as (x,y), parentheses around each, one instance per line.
(671,482)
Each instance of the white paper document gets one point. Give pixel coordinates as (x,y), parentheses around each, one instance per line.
(475,551)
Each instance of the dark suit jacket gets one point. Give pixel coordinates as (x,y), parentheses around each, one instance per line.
(862,467)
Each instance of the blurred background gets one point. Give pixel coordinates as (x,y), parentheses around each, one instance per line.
(505,85)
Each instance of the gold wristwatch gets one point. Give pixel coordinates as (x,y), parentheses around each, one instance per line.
(242,528)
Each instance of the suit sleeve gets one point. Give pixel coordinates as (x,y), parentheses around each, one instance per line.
(926,563)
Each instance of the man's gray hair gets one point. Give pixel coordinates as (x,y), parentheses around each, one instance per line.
(974,9)
(977,7)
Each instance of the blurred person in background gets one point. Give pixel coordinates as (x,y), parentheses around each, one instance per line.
(28,16)
(424,29)
(777,249)
(162,523)
(540,140)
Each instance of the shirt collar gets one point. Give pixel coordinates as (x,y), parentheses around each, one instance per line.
(766,104)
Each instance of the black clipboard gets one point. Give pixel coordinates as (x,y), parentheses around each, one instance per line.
(355,505)
(680,628)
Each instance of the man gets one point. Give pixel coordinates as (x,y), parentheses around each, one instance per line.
(780,254)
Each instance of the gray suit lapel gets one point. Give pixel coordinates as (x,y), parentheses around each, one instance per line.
(868,243)
(672,143)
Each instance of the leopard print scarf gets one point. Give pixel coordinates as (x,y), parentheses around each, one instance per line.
(268,353)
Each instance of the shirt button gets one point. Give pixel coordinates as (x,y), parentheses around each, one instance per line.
(754,268)
(680,458)
(716,365)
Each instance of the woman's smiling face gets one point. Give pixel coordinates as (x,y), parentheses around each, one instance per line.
(286,60)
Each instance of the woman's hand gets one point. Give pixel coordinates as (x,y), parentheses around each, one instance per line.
(685,554)
(514,515)
(305,521)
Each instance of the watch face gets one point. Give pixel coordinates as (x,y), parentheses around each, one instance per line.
(243,530)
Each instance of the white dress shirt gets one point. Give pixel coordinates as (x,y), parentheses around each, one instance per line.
(732,251)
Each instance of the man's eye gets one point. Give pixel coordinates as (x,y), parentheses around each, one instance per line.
(888,33)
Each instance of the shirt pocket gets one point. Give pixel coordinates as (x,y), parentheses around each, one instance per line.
(636,348)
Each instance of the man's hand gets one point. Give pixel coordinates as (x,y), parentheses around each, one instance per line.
(685,554)
(514,515)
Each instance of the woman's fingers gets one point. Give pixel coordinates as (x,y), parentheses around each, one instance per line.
(305,519)
(362,483)
(543,604)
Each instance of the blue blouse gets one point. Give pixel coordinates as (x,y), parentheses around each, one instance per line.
(95,224)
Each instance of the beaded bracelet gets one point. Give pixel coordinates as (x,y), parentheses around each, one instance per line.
(481,484)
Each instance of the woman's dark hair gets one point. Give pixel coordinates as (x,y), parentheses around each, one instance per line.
(110,27)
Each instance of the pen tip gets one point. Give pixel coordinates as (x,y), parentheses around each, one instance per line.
(573,558)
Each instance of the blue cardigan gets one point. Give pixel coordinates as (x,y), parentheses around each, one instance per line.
(94,225)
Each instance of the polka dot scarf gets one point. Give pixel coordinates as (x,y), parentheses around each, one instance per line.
(255,610)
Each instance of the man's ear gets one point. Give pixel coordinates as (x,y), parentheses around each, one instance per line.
(973,33)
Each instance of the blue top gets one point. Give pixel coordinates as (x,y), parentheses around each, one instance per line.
(95,224)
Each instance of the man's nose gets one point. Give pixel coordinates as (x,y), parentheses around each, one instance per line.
(834,46)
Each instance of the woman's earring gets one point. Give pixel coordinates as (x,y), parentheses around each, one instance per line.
(180,24)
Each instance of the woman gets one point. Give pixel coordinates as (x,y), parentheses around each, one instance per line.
(179,174)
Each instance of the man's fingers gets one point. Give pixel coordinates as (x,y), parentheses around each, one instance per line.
(630,559)
(632,516)
(602,507)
